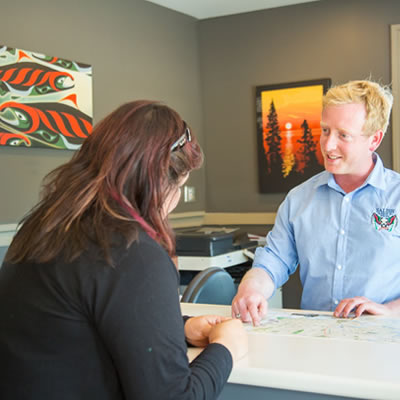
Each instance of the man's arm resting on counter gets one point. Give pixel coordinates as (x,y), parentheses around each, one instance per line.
(250,302)
(362,305)
(394,307)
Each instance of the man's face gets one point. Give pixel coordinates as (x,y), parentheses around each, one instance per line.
(345,147)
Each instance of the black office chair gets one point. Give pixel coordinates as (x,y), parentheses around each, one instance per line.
(211,286)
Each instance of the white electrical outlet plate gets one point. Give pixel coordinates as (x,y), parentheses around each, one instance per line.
(189,194)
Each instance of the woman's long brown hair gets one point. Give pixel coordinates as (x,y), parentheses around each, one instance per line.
(124,168)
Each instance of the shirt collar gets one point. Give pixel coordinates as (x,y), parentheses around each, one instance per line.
(323,178)
(375,178)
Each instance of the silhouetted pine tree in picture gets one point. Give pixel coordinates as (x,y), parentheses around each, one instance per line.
(273,140)
(308,150)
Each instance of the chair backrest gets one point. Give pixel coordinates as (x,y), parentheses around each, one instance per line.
(211,286)
(3,251)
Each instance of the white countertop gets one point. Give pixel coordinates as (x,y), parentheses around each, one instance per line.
(360,369)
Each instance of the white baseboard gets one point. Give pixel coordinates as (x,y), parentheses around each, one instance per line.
(186,219)
(239,218)
(181,220)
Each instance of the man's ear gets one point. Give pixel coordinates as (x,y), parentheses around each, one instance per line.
(376,140)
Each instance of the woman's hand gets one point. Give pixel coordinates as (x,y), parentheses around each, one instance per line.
(197,329)
(232,335)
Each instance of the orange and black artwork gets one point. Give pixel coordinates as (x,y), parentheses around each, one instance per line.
(44,101)
(288,132)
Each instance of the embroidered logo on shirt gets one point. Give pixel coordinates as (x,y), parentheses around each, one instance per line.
(384,219)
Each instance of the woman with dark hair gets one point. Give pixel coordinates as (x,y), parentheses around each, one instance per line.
(89,305)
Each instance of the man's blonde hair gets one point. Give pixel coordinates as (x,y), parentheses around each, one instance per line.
(377,99)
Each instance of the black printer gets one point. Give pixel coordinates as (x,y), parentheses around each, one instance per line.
(210,241)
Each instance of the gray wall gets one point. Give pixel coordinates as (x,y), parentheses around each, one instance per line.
(207,70)
(338,39)
(137,50)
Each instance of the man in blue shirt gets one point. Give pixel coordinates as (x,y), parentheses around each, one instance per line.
(341,226)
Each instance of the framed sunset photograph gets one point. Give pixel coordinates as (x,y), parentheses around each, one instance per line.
(288,132)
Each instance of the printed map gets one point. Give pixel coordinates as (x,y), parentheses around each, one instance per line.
(367,328)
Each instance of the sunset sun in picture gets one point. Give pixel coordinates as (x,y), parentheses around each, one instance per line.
(288,126)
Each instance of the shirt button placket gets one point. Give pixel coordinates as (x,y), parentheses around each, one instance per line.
(340,255)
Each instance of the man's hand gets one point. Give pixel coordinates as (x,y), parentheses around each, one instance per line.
(250,304)
(197,329)
(361,305)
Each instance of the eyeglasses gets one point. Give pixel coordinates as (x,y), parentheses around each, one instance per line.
(185,138)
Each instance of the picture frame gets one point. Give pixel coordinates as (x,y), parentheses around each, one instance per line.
(395,40)
(45,101)
(288,130)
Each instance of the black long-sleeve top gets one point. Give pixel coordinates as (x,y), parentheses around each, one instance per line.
(84,330)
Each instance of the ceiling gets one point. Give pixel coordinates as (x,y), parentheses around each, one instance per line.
(202,9)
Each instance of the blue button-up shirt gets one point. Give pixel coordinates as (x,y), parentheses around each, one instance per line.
(347,244)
